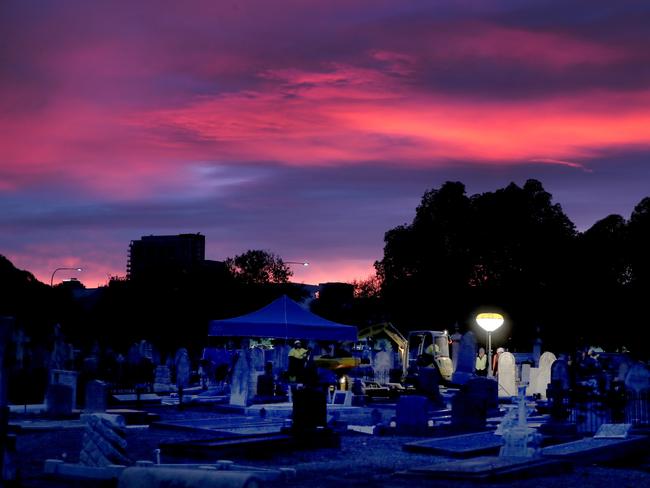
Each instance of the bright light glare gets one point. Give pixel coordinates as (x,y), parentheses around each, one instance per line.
(489,322)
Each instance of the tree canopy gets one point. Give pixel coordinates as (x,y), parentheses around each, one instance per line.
(259,267)
(514,250)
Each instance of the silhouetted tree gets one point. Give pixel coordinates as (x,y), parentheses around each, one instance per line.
(259,267)
(510,249)
(603,295)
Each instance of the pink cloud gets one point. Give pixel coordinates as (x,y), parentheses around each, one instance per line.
(542,49)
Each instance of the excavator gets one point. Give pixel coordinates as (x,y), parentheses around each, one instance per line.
(422,348)
(426,347)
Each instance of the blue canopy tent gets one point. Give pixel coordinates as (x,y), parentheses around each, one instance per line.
(283,319)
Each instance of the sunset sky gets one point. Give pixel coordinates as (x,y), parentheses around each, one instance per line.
(307,128)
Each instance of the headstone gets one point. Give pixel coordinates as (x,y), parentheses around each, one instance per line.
(104,441)
(428,384)
(162,379)
(381,365)
(558,390)
(540,380)
(309,409)
(624,365)
(472,403)
(67,378)
(637,378)
(507,375)
(239,387)
(183,368)
(96,396)
(560,373)
(456,337)
(342,397)
(466,359)
(58,400)
(637,385)
(412,414)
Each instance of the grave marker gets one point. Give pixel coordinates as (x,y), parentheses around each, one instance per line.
(466,359)
(96,396)
(541,377)
(507,375)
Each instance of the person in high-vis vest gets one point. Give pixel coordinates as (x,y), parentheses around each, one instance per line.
(480,366)
(297,357)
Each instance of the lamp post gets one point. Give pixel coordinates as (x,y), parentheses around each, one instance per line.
(489,322)
(304,263)
(59,269)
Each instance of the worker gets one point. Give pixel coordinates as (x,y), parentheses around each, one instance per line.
(495,360)
(432,349)
(297,358)
(480,366)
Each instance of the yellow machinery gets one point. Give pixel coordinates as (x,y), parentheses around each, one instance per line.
(426,346)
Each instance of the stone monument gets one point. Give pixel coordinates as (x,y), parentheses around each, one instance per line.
(466,359)
(520,440)
(104,441)
(162,382)
(96,396)
(471,405)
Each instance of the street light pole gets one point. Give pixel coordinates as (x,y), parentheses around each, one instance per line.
(304,263)
(489,322)
(59,269)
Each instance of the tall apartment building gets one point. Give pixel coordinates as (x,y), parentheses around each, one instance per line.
(154,257)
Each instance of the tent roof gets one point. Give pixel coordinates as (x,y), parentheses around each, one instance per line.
(282,318)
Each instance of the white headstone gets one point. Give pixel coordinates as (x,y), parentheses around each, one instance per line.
(540,379)
(507,375)
(381,365)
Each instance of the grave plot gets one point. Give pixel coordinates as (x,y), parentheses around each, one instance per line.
(597,450)
(489,468)
(459,446)
(228,425)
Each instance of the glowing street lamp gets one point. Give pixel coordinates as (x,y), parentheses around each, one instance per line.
(304,263)
(489,322)
(59,269)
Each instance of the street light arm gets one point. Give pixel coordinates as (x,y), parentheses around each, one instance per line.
(59,269)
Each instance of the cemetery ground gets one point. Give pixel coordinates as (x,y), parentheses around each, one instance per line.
(362,460)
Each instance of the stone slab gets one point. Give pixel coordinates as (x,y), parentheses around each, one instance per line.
(252,443)
(134,417)
(232,425)
(590,450)
(462,446)
(488,468)
(38,425)
(130,398)
(57,468)
(613,431)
